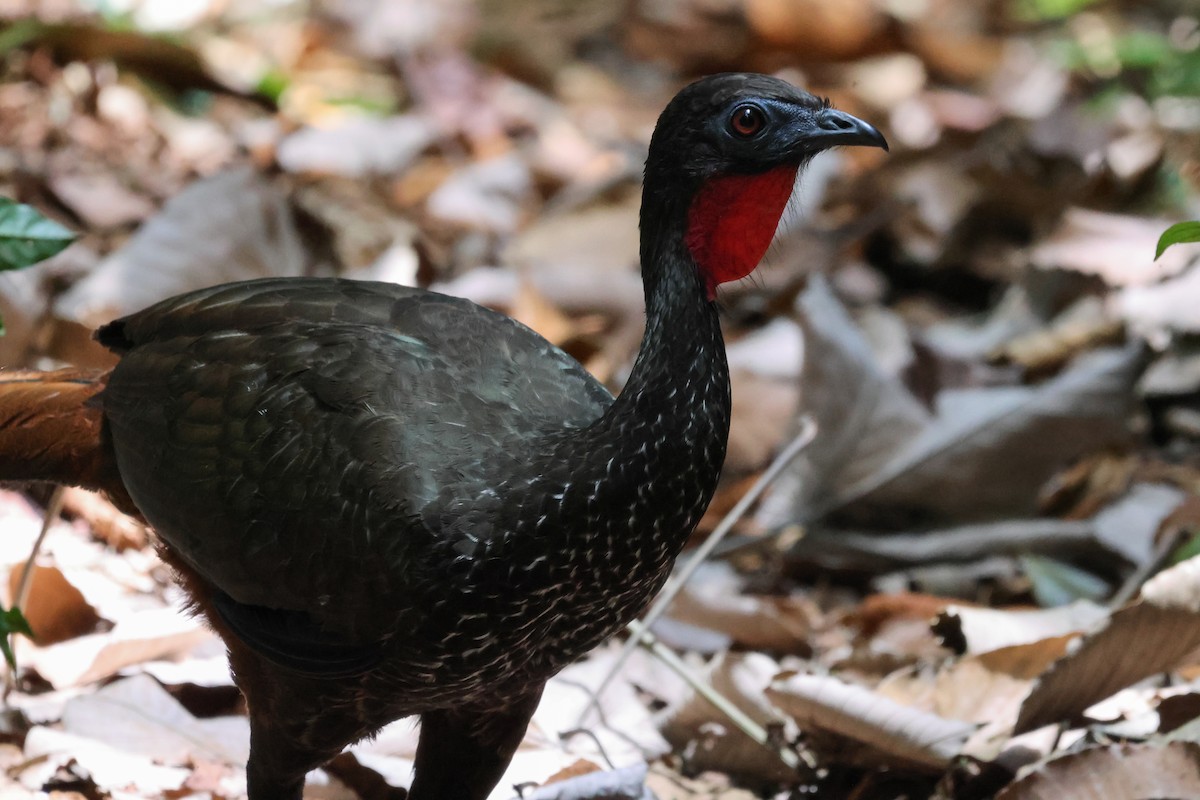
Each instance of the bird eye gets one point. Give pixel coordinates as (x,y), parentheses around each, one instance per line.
(747,120)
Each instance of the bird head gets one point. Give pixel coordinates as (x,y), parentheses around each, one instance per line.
(724,159)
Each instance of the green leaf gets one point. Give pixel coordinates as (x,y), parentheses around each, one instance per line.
(1179,233)
(26,237)
(12,621)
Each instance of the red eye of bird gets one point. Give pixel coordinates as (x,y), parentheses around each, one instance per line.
(747,120)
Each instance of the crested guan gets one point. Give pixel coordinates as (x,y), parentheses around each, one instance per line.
(389,502)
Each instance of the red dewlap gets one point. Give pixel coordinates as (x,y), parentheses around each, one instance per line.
(732,220)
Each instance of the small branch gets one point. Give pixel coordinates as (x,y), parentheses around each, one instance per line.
(741,719)
(25,586)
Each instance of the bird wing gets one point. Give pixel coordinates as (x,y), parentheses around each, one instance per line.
(298,442)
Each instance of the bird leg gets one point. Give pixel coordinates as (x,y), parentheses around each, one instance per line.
(462,753)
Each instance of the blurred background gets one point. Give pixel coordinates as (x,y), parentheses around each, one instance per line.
(1005,381)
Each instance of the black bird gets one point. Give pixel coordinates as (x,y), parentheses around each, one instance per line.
(389,502)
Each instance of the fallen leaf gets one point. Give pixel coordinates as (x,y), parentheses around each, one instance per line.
(1113,772)
(1144,638)
(714,599)
(1117,248)
(233,226)
(707,737)
(989,450)
(883,729)
(112,770)
(627,783)
(486,195)
(357,147)
(143,636)
(138,716)
(864,416)
(981,630)
(56,610)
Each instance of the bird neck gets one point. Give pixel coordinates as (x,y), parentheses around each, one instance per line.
(680,371)
(662,442)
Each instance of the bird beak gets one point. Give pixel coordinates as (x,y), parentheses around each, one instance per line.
(835,127)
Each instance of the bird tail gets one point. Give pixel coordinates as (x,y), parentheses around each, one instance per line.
(52,430)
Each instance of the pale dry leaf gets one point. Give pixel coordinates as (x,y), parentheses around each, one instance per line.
(624,729)
(1177,587)
(357,147)
(974,689)
(23,300)
(1129,526)
(864,416)
(580,245)
(1113,772)
(486,195)
(764,368)
(46,749)
(99,198)
(892,732)
(1169,307)
(138,716)
(1117,248)
(1149,636)
(142,636)
(401,27)
(985,629)
(958,545)
(670,785)
(626,783)
(989,451)
(232,226)
(709,739)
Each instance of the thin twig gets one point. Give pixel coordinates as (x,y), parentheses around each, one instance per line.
(808,430)
(53,509)
(741,719)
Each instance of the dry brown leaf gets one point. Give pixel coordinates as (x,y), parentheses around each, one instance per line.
(530,308)
(1149,636)
(819,29)
(1114,772)
(56,610)
(883,729)
(974,689)
(118,530)
(713,599)
(879,609)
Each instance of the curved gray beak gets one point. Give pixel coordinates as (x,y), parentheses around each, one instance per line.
(839,128)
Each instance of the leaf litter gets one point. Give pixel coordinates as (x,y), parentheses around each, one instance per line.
(1001,373)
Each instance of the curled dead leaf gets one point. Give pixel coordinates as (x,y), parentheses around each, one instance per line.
(883,729)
